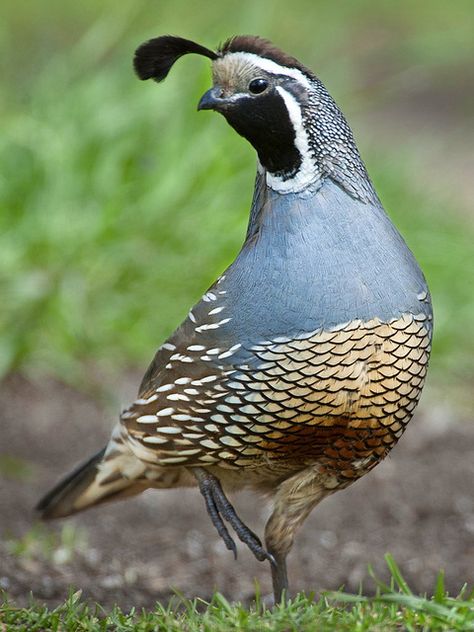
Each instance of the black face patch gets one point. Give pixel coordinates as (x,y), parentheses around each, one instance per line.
(264,121)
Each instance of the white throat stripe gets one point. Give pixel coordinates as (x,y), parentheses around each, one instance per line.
(308,173)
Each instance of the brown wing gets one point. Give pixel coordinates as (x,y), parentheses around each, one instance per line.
(342,396)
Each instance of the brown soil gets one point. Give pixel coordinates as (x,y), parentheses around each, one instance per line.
(418,504)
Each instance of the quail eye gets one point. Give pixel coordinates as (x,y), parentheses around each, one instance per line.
(257,86)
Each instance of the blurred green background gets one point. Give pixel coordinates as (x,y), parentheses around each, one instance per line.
(119,203)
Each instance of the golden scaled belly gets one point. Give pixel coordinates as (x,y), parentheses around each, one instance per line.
(342,397)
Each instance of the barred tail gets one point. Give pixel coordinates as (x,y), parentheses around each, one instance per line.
(93,482)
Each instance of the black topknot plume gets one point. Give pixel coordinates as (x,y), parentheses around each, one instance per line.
(153,59)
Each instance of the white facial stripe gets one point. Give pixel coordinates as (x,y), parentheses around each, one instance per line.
(272,67)
(308,172)
(236,96)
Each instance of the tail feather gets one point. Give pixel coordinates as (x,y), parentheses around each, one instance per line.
(84,487)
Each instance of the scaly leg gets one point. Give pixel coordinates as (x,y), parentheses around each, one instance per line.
(279,576)
(294,499)
(220,509)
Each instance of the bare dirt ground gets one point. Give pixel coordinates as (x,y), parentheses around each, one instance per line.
(418,504)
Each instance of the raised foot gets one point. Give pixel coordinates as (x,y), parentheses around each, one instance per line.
(220,509)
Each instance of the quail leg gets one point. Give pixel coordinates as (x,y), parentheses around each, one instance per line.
(295,497)
(279,576)
(220,509)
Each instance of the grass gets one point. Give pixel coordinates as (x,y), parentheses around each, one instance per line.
(393,607)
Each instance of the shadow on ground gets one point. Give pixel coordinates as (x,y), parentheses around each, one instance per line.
(418,505)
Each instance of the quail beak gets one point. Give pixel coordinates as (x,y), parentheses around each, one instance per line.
(212,99)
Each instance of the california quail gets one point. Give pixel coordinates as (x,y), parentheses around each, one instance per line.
(300,368)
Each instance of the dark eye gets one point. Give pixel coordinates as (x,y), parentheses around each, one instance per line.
(257,86)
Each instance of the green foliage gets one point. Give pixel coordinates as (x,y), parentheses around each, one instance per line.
(119,203)
(13,468)
(42,544)
(442,242)
(393,607)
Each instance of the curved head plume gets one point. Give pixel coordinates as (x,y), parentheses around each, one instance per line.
(277,104)
(153,59)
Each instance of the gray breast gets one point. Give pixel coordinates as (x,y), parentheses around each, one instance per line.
(319,260)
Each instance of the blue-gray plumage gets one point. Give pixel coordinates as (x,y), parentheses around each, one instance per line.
(296,266)
(301,366)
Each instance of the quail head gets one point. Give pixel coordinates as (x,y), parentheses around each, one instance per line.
(299,369)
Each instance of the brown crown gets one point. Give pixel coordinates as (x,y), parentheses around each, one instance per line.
(263,48)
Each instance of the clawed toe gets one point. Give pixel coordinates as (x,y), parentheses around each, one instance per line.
(219,509)
(217,521)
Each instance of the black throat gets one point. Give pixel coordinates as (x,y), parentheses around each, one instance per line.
(264,121)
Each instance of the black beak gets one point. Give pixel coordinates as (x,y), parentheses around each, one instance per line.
(212,99)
